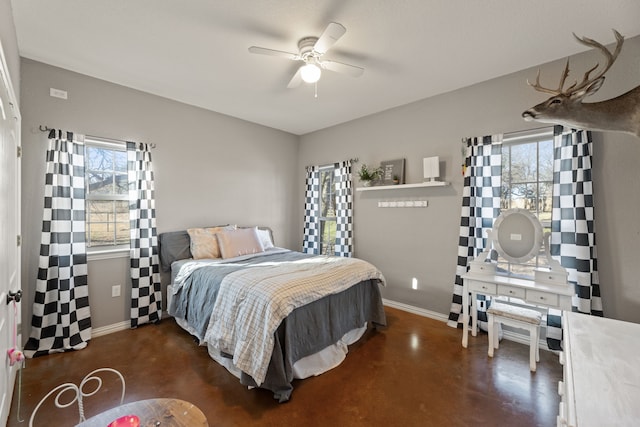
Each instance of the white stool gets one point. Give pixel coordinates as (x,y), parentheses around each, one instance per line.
(518,317)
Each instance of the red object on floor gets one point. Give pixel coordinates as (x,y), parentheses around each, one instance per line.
(126,421)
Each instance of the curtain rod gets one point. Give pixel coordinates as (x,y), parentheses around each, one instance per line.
(531,133)
(353,160)
(513,136)
(99,138)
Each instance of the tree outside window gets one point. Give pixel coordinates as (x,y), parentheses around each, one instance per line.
(107,198)
(527,183)
(327,216)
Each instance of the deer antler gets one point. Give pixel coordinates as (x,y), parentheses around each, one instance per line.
(586,80)
(610,57)
(557,91)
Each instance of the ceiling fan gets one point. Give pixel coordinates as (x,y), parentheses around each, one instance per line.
(310,51)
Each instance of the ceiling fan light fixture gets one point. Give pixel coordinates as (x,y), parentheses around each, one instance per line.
(310,73)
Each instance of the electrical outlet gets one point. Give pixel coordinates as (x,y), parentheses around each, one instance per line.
(115,291)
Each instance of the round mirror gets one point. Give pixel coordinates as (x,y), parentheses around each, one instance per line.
(517,235)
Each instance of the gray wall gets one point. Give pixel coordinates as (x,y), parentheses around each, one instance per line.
(212,168)
(422,243)
(9,42)
(209,168)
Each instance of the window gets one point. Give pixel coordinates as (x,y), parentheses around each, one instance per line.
(327,210)
(107,197)
(527,183)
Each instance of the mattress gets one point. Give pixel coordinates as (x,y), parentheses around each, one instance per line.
(312,365)
(292,315)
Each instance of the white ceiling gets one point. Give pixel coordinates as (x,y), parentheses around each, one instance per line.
(195,51)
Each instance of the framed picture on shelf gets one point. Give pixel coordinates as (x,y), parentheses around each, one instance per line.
(392,172)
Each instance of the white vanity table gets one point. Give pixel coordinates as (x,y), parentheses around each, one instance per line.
(536,293)
(517,236)
(601,379)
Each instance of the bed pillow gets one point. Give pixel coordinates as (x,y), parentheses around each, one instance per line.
(243,241)
(265,239)
(204,244)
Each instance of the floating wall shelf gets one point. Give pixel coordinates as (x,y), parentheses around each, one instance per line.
(401,186)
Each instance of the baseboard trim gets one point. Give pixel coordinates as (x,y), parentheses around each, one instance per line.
(415,310)
(109,329)
(508,335)
(117,327)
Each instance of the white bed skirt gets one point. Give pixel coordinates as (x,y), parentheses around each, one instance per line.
(309,366)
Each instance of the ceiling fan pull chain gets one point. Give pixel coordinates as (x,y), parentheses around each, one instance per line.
(315,90)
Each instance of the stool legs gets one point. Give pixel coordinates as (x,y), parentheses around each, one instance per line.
(494,338)
(490,324)
(534,336)
(533,347)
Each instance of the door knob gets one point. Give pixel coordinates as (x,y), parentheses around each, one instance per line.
(14,296)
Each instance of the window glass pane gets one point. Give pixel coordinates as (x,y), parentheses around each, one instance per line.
(545,203)
(122,183)
(327,212)
(99,158)
(122,222)
(120,161)
(100,233)
(106,176)
(100,183)
(505,198)
(527,183)
(520,194)
(122,234)
(99,210)
(328,230)
(122,210)
(524,163)
(546,161)
(529,199)
(327,194)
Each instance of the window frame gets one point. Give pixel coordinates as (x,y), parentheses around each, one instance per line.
(109,250)
(536,136)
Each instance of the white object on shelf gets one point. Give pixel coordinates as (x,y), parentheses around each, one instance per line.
(401,186)
(431,168)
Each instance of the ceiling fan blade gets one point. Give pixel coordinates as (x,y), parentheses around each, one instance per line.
(339,67)
(295,80)
(271,52)
(328,38)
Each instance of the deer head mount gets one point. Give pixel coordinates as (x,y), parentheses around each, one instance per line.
(565,106)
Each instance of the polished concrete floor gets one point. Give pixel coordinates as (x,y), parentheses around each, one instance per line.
(412,373)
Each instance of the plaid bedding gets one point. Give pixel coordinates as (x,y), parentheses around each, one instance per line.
(252,303)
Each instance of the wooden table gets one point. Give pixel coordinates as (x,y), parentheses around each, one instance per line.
(152,413)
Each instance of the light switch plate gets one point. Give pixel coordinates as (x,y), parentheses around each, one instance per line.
(58,93)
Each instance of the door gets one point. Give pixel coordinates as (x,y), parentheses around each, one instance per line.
(9,234)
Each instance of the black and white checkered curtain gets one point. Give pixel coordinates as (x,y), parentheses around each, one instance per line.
(146,294)
(61,317)
(312,237)
(480,207)
(573,239)
(344,209)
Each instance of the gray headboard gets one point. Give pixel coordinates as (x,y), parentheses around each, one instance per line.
(174,246)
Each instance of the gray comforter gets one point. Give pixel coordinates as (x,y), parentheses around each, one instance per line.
(303,332)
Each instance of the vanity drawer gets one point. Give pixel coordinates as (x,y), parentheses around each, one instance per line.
(537,297)
(483,288)
(511,291)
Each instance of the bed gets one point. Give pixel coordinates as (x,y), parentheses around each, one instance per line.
(267,314)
